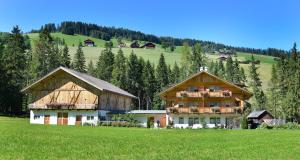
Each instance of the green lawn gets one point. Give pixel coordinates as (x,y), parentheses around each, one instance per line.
(20,140)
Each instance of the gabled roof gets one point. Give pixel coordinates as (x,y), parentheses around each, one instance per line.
(249,94)
(256,114)
(95,82)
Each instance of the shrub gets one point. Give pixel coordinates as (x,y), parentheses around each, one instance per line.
(244,123)
(88,124)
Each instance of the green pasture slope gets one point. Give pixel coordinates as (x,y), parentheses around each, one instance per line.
(92,53)
(20,140)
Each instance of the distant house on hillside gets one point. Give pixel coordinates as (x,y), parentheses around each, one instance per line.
(148,45)
(223,57)
(121,45)
(89,43)
(135,44)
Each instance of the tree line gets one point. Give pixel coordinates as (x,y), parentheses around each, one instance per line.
(106,33)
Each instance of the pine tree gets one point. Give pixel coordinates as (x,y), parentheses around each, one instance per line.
(105,65)
(274,100)
(236,72)
(14,64)
(79,60)
(176,73)
(55,58)
(149,84)
(66,60)
(198,58)
(42,54)
(185,60)
(91,69)
(119,70)
(170,75)
(221,71)
(162,73)
(133,76)
(256,84)
(229,70)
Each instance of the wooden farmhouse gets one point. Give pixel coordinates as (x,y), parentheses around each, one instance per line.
(204,100)
(148,45)
(89,43)
(68,97)
(135,44)
(256,118)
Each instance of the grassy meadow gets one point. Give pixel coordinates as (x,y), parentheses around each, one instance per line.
(20,140)
(92,53)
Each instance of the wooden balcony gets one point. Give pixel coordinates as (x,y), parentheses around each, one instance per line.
(205,110)
(199,94)
(64,106)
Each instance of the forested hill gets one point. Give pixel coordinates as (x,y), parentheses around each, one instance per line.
(107,33)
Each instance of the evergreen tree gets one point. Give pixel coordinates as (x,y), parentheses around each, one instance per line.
(13,62)
(243,76)
(221,71)
(236,72)
(105,65)
(55,58)
(66,60)
(198,58)
(176,73)
(256,84)
(229,70)
(149,84)
(170,75)
(274,100)
(42,54)
(162,73)
(185,60)
(119,70)
(91,69)
(79,60)
(133,76)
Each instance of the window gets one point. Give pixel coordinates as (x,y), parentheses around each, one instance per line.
(90,118)
(192,104)
(214,104)
(192,89)
(36,117)
(181,104)
(214,88)
(181,120)
(215,120)
(193,120)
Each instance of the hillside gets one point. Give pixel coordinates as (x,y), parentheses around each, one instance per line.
(92,53)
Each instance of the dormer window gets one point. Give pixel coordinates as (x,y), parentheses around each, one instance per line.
(214,88)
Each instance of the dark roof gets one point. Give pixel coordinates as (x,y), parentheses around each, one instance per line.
(256,114)
(95,82)
(88,40)
(148,44)
(147,112)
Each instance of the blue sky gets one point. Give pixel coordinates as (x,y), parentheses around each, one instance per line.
(248,23)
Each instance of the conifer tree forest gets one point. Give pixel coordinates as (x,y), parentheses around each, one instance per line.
(22,64)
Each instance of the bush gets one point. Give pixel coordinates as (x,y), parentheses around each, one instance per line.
(289,125)
(88,124)
(244,123)
(265,126)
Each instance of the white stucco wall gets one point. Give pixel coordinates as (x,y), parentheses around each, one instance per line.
(142,118)
(175,119)
(71,116)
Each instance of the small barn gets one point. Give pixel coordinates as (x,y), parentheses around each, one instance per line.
(223,57)
(148,45)
(89,43)
(135,44)
(255,118)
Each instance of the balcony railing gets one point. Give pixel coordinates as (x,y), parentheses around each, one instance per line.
(208,110)
(199,94)
(67,106)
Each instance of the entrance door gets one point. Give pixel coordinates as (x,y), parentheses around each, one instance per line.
(62,118)
(150,122)
(78,120)
(163,121)
(59,118)
(47,119)
(65,118)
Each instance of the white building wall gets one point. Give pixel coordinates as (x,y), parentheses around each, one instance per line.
(71,116)
(176,124)
(143,118)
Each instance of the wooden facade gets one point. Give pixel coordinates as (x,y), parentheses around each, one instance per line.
(204,93)
(64,91)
